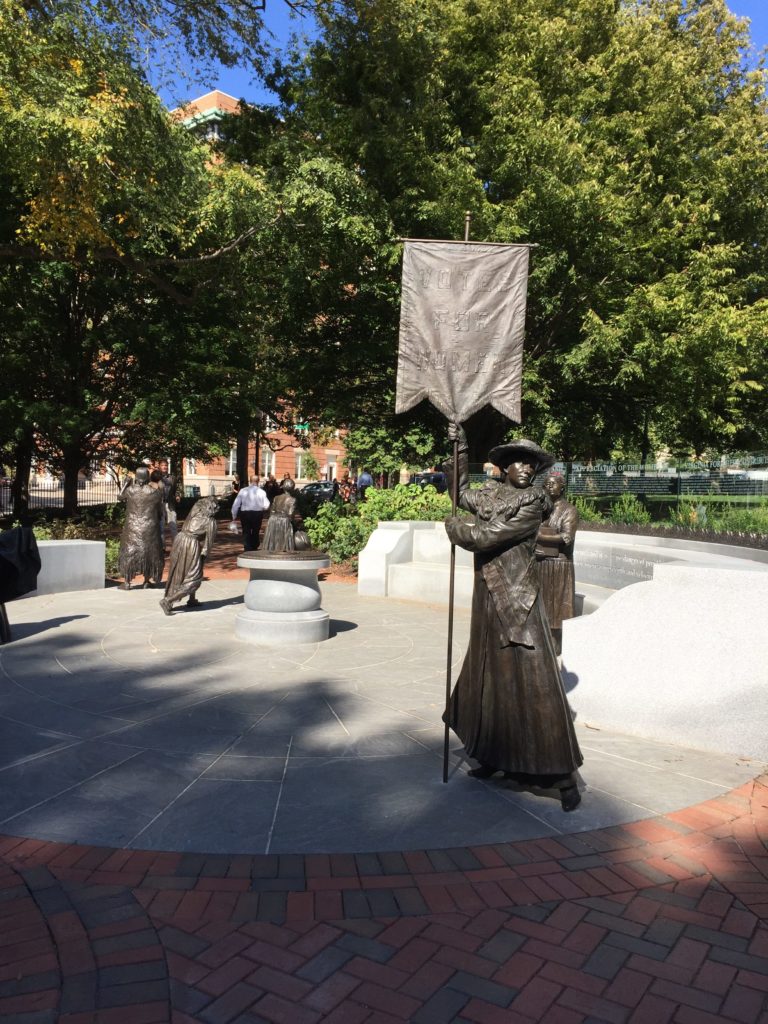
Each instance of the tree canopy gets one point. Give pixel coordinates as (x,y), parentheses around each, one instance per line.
(626,139)
(159,295)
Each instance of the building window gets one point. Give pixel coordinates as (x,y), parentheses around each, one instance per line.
(191,467)
(300,471)
(267,461)
(232,462)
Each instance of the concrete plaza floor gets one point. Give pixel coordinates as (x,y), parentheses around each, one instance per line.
(228,835)
(123,727)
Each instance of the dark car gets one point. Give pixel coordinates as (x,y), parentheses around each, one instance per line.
(436,480)
(318,491)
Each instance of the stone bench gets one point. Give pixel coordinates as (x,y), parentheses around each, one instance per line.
(410,561)
(70,565)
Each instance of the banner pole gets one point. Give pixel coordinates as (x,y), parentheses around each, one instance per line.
(452,578)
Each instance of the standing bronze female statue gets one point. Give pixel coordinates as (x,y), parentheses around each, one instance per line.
(190,547)
(554,550)
(141,550)
(509,706)
(281,533)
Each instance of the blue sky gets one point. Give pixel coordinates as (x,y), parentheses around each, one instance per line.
(279,20)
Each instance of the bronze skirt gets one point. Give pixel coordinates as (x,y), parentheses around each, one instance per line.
(558,589)
(509,706)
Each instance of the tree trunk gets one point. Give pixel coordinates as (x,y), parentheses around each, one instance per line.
(485,429)
(242,459)
(644,443)
(73,461)
(22,463)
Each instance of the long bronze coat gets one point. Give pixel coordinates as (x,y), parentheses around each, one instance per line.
(558,580)
(508,706)
(141,550)
(191,545)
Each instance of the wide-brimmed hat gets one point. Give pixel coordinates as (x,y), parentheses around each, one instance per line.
(521,450)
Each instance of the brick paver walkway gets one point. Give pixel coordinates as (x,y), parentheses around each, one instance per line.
(660,920)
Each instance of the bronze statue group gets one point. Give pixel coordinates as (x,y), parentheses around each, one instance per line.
(150,504)
(509,706)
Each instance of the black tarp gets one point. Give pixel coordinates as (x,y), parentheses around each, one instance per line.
(19,562)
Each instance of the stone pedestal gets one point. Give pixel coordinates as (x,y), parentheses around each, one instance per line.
(282,599)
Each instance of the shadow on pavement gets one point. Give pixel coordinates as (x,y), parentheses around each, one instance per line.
(27,629)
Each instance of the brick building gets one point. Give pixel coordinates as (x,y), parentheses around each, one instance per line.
(279,453)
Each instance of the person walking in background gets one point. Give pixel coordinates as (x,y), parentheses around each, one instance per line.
(347,489)
(271,487)
(364,481)
(169,498)
(249,506)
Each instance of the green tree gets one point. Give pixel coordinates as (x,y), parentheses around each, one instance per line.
(129,330)
(626,139)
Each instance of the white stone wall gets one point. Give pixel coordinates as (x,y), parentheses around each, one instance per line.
(70,565)
(682,658)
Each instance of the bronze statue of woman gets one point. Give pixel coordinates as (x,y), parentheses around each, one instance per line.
(554,550)
(141,550)
(190,548)
(278,535)
(509,706)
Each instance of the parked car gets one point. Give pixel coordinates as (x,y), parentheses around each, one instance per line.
(318,491)
(438,480)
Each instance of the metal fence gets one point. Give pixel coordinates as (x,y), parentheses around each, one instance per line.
(742,481)
(49,493)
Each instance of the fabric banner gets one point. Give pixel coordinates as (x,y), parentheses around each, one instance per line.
(462,320)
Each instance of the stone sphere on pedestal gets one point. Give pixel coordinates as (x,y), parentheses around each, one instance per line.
(282,599)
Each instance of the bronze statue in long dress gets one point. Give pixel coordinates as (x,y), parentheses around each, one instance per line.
(190,547)
(281,533)
(278,536)
(509,706)
(554,550)
(141,551)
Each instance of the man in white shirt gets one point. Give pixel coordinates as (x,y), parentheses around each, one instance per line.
(249,506)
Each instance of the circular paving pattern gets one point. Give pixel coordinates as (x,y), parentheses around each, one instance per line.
(124,727)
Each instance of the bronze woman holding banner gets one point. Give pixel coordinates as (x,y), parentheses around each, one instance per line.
(509,706)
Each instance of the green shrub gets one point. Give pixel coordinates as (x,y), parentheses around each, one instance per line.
(740,520)
(405,501)
(629,509)
(105,515)
(343,530)
(337,529)
(690,515)
(588,512)
(112,557)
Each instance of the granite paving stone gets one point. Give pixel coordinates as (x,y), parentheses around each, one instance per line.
(124,726)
